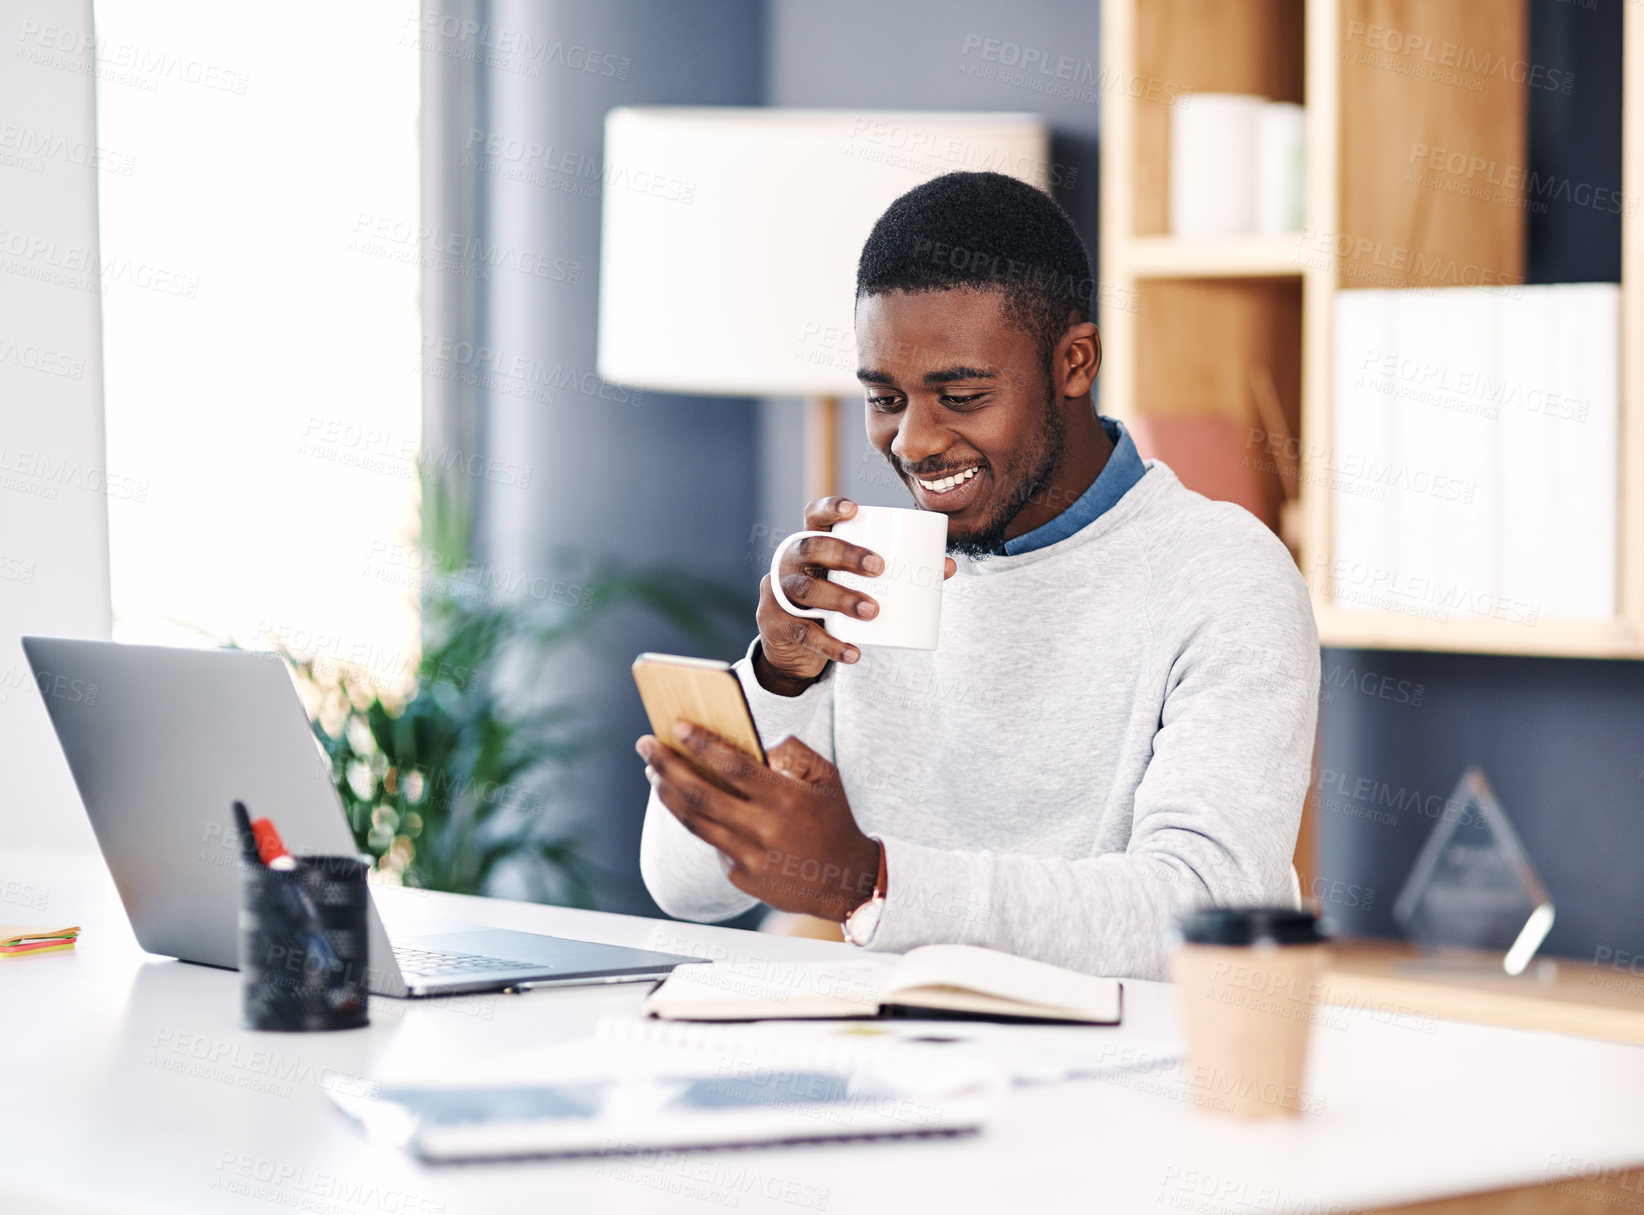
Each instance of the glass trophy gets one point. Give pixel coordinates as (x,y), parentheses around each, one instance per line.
(1472,886)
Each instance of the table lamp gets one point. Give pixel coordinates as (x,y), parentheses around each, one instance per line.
(730,237)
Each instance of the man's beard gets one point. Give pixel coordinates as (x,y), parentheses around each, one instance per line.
(1029,474)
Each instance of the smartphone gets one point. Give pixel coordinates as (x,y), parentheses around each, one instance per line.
(702,691)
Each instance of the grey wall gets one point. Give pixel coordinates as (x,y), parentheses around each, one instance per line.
(603,463)
(923,56)
(53,512)
(644,479)
(1575,145)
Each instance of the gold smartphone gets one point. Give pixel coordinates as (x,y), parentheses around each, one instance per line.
(702,691)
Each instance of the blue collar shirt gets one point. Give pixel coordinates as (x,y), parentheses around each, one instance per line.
(1123,469)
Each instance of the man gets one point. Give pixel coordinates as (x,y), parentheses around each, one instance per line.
(1118,722)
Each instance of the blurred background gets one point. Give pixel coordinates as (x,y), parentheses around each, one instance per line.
(300,348)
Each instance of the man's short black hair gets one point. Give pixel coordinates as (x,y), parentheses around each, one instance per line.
(984,231)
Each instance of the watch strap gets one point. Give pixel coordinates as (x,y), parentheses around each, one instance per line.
(866,914)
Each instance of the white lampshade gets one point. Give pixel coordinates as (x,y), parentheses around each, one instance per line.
(730,239)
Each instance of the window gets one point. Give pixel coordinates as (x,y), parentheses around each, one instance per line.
(258,216)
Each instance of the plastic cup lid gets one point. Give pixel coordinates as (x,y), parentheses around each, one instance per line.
(1251,926)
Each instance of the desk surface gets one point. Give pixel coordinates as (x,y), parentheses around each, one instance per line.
(128,1086)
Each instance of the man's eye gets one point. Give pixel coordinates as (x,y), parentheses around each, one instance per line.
(954,401)
(883,403)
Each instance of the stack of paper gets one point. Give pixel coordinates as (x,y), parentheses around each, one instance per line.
(18,940)
(1474,470)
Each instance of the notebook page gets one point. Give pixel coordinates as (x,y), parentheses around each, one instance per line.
(801,989)
(1006,976)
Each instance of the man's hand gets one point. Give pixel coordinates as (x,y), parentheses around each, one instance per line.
(787,831)
(793,650)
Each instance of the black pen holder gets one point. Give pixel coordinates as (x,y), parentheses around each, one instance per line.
(303,944)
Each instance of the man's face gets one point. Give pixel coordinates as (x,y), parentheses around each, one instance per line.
(955,391)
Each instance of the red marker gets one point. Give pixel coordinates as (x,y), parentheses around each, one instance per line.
(271,850)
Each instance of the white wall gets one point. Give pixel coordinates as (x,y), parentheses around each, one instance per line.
(54,480)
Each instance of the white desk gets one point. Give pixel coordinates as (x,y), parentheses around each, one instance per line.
(106,1104)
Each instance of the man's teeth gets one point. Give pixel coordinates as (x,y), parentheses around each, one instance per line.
(947,483)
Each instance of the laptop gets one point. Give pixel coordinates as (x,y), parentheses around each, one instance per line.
(162,742)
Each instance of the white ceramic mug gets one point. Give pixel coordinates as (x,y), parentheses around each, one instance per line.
(914,546)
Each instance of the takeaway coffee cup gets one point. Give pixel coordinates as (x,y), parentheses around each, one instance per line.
(1248,978)
(914,544)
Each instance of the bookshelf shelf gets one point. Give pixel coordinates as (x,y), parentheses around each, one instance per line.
(1215,257)
(1616,638)
(1190,324)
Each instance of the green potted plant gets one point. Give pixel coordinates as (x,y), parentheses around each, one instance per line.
(447,781)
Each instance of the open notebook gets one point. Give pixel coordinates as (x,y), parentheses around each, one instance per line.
(935,979)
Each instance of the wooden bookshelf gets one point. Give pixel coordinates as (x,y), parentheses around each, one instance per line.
(1187,322)
(1214,257)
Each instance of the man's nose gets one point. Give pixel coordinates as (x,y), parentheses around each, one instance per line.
(918,438)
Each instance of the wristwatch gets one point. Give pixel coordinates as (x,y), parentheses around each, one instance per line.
(861,924)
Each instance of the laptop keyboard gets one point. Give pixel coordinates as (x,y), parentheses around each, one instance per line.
(432,963)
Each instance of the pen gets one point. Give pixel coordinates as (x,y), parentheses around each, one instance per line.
(516,989)
(248,836)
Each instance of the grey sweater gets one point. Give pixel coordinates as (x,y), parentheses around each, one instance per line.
(1113,728)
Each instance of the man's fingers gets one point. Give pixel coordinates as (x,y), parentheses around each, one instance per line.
(701,795)
(813,591)
(823,513)
(727,761)
(815,553)
(951,569)
(805,575)
(685,790)
(793,758)
(781,629)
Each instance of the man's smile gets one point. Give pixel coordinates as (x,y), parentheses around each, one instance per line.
(943,484)
(952,492)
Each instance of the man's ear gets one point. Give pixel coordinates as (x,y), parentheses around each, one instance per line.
(1081,357)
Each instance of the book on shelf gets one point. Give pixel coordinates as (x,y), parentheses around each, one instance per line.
(1584,453)
(1363,449)
(1417,551)
(1522,453)
(1462,479)
(1475,464)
